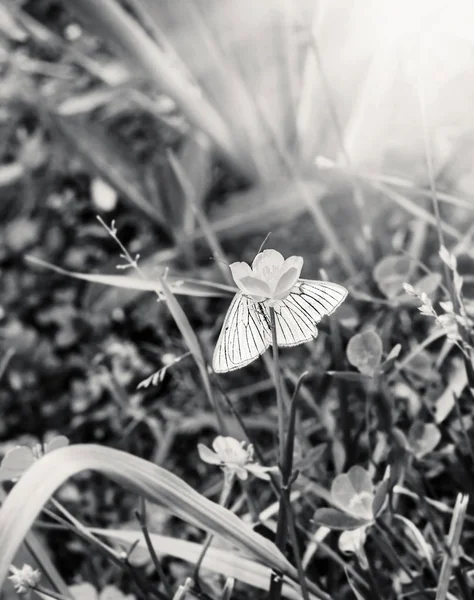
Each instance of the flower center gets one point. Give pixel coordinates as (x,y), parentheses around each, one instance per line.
(269,274)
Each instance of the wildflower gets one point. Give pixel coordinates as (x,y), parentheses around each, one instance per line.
(358,504)
(25,578)
(19,459)
(234,458)
(271,278)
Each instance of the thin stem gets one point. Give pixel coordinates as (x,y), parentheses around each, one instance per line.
(41,590)
(141,518)
(278,389)
(276,581)
(223,501)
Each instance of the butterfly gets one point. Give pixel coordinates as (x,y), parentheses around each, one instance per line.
(272,282)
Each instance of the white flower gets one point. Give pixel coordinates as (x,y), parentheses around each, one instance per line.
(352,542)
(355,494)
(25,578)
(271,278)
(233,457)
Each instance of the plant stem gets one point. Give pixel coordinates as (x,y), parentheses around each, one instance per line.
(223,500)
(142,521)
(276,581)
(278,389)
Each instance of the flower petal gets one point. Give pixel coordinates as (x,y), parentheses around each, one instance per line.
(287,280)
(208,456)
(353,492)
(240,270)
(352,541)
(267,259)
(260,471)
(360,479)
(255,287)
(230,450)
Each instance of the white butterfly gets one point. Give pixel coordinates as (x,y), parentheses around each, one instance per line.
(272,282)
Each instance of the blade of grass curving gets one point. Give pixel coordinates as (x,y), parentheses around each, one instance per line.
(154,483)
(116,26)
(192,342)
(177,285)
(217,560)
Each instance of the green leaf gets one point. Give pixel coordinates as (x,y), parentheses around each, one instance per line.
(217,560)
(364,351)
(380,497)
(391,273)
(177,285)
(336,519)
(423,438)
(32,492)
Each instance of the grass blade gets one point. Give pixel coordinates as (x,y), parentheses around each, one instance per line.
(154,483)
(115,25)
(177,285)
(218,560)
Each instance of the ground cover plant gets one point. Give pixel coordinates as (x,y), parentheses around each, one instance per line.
(236,299)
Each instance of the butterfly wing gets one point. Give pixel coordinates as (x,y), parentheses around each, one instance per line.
(244,335)
(298,314)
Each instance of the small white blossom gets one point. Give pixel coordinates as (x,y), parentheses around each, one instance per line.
(233,457)
(271,278)
(25,578)
(352,542)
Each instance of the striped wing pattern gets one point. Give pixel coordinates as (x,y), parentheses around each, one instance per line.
(246,332)
(298,314)
(243,337)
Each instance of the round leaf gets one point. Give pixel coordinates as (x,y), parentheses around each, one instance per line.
(423,438)
(391,273)
(364,351)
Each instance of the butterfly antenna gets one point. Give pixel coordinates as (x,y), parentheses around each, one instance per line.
(264,242)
